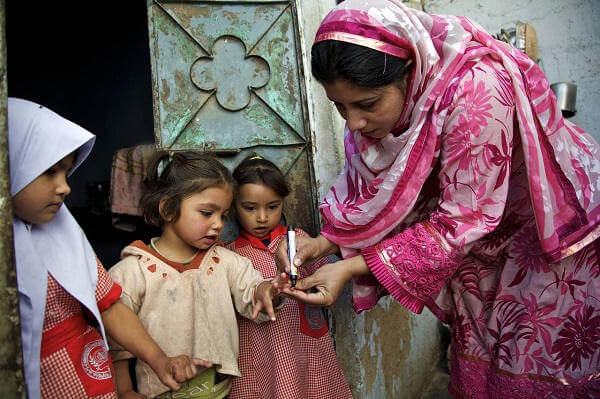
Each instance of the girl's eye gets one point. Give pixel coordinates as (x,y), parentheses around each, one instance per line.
(206,213)
(50,171)
(273,207)
(249,208)
(368,106)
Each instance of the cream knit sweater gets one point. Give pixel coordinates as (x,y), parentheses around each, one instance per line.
(191,313)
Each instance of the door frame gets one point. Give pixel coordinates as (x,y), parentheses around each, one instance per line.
(12,383)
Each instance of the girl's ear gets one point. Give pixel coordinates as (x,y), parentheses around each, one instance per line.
(161,210)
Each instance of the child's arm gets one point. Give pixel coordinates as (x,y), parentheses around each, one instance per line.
(266,296)
(123,381)
(126,329)
(251,293)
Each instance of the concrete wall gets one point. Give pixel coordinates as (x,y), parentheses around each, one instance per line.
(568,34)
(386,352)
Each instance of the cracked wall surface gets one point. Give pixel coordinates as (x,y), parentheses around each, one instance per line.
(568,33)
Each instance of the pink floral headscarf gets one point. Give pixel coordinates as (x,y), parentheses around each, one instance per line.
(381,180)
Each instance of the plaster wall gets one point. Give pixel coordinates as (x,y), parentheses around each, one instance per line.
(568,35)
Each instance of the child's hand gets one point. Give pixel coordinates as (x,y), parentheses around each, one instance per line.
(281,281)
(172,370)
(264,295)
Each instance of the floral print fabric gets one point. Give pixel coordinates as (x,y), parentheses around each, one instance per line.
(521,327)
(382,178)
(483,205)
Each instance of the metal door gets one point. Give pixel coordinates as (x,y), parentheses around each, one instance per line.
(226,78)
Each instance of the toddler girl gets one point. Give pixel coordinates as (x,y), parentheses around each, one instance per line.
(294,356)
(182,285)
(63,288)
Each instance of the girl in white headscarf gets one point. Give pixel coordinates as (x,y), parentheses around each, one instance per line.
(62,286)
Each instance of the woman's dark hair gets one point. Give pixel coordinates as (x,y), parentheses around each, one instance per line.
(257,170)
(332,60)
(172,178)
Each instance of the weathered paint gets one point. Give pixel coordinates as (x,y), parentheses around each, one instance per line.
(186,37)
(386,352)
(226,78)
(568,36)
(228,58)
(11,360)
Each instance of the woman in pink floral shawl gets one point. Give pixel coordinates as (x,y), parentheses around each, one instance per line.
(464,190)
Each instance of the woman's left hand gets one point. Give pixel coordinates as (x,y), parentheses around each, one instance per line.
(328,280)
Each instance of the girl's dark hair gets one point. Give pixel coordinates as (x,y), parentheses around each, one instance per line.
(257,170)
(172,178)
(332,60)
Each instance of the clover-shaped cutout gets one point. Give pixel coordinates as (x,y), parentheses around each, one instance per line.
(230,72)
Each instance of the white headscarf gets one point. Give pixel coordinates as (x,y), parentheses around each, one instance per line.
(37,139)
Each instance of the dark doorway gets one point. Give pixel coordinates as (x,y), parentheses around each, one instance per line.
(89,62)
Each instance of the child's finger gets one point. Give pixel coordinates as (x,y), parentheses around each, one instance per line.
(202,363)
(283,279)
(191,370)
(257,308)
(171,383)
(269,308)
(279,281)
(180,373)
(275,284)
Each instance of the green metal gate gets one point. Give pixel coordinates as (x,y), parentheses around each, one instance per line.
(226,78)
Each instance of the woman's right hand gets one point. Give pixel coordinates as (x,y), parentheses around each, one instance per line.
(327,282)
(308,250)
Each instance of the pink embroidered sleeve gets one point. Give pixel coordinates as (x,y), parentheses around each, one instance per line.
(474,171)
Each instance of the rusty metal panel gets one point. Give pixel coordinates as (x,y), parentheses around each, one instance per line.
(227,78)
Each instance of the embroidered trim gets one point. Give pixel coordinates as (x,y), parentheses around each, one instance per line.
(480,379)
(416,262)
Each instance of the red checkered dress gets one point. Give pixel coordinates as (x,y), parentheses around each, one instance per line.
(79,367)
(292,357)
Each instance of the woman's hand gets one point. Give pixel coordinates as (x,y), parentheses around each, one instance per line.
(328,280)
(308,250)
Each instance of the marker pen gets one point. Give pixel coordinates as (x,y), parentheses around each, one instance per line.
(291,239)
